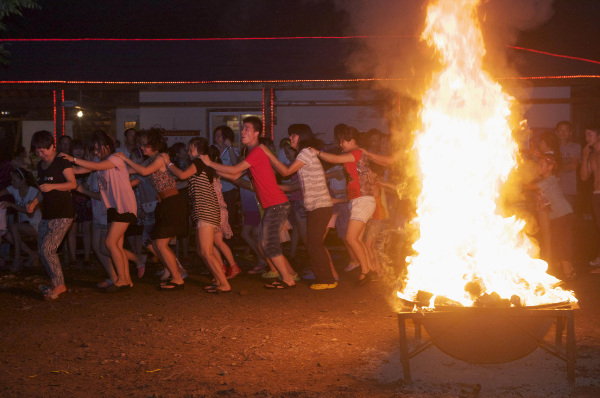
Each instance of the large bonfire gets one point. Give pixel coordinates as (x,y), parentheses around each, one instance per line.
(465,151)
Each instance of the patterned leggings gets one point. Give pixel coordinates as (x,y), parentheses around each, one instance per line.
(50,234)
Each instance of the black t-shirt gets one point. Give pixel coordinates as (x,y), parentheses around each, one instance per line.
(56,204)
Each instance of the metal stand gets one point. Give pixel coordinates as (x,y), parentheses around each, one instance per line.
(563,317)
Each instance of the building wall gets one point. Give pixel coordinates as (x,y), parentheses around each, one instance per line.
(291,106)
(31,126)
(545,116)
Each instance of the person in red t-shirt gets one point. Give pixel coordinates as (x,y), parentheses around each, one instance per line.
(272,199)
(360,195)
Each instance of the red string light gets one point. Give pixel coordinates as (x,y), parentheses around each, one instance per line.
(554,55)
(373,79)
(54,112)
(272,98)
(62,106)
(216,38)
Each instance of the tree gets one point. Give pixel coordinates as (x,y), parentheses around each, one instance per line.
(12,7)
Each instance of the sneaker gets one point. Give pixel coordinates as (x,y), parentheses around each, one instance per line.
(296,277)
(595,262)
(308,274)
(161,272)
(233,271)
(270,275)
(323,286)
(351,266)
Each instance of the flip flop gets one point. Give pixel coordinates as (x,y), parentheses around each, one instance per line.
(170,286)
(217,291)
(279,285)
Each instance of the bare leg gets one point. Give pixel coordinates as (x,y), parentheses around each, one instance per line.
(72,242)
(351,253)
(206,250)
(168,258)
(224,248)
(354,238)
(285,269)
(99,239)
(114,243)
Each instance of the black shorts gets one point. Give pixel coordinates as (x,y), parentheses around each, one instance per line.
(113,216)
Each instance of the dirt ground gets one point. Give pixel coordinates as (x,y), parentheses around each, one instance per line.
(252,342)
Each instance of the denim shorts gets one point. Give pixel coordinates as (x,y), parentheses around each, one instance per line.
(362,209)
(273,220)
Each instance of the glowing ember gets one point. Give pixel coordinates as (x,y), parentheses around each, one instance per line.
(465,153)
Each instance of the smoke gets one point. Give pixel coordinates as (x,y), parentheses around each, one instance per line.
(401,54)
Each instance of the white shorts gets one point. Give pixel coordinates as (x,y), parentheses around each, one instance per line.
(362,209)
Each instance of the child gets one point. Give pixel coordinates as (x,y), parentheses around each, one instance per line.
(560,214)
(23,191)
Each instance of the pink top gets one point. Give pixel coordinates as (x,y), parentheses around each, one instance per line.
(115,187)
(264,180)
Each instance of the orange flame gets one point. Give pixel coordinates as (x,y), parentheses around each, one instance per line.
(465,153)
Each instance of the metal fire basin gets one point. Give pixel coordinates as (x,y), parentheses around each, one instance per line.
(491,335)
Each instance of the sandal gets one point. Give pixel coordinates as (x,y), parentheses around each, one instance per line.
(364,278)
(279,285)
(170,286)
(104,284)
(217,291)
(48,293)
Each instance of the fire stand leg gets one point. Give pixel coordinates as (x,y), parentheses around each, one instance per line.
(571,348)
(560,325)
(404,358)
(417,324)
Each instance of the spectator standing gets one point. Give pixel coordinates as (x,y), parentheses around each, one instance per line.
(571,158)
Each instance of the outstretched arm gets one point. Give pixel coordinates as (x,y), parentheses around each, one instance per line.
(232,170)
(182,174)
(158,163)
(379,159)
(83,166)
(331,158)
(280,167)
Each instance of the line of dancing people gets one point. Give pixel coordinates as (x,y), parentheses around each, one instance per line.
(159,211)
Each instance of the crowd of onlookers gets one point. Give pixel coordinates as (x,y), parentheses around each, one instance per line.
(141,201)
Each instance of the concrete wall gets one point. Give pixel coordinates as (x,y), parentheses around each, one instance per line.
(291,106)
(543,116)
(31,126)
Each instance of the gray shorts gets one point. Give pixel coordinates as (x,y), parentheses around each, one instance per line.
(270,229)
(362,209)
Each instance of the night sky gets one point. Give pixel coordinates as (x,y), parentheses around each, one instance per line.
(568,27)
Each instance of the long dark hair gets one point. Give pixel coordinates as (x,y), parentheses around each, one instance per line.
(101,139)
(201,145)
(306,138)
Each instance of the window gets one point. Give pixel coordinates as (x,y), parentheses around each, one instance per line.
(233,119)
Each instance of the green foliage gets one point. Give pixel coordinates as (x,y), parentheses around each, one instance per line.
(12,7)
